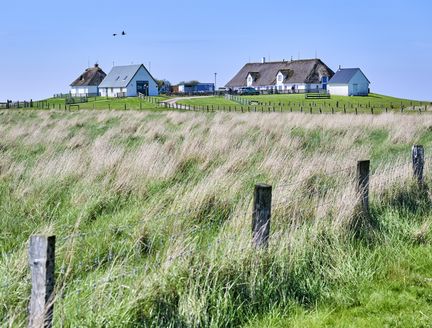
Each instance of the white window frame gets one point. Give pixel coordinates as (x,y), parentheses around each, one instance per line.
(280,78)
(249,80)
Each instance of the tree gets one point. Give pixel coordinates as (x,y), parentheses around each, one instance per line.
(164,85)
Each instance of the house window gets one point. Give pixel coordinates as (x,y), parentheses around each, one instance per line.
(125,78)
(279,77)
(249,80)
(118,78)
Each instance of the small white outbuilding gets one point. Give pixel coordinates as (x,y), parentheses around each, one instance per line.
(349,82)
(128,81)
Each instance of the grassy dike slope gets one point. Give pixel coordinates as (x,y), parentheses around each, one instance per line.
(152,216)
(295,101)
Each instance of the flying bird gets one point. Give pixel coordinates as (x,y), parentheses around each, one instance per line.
(114,34)
(123,33)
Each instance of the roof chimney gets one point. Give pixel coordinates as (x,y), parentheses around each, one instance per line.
(340,67)
(96,65)
(263,60)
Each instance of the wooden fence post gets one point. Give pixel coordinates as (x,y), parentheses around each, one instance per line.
(363,187)
(42,263)
(261,215)
(418,162)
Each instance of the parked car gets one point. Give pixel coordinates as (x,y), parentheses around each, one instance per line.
(248,91)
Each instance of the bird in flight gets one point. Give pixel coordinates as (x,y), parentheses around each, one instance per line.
(123,33)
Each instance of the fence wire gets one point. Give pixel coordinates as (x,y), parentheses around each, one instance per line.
(319,194)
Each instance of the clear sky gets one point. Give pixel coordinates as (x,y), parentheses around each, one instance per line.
(46,44)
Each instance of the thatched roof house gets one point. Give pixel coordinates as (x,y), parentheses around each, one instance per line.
(87,84)
(304,74)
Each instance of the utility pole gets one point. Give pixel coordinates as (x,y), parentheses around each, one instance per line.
(215,74)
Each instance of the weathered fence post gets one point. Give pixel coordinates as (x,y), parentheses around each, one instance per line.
(42,263)
(261,215)
(418,162)
(363,187)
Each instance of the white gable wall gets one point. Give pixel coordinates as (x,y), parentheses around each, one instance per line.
(142,75)
(362,85)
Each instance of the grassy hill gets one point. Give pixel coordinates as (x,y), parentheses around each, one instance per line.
(297,103)
(152,213)
(288,102)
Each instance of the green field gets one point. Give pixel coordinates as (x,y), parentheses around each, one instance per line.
(296,102)
(134,103)
(208,101)
(372,104)
(152,213)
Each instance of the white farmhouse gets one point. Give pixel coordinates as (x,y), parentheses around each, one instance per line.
(128,81)
(349,82)
(87,84)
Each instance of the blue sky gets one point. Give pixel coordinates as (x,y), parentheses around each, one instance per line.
(45,45)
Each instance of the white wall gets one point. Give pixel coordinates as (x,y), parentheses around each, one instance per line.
(338,89)
(142,75)
(110,92)
(84,90)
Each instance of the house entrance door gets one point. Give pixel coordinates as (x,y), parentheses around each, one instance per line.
(142,87)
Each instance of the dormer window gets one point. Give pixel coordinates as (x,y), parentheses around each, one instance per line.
(125,78)
(280,77)
(249,80)
(118,78)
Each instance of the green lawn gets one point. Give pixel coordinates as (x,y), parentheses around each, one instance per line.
(373,103)
(208,101)
(105,103)
(296,102)
(374,100)
(399,296)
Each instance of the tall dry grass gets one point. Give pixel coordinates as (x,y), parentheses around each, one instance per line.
(153,210)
